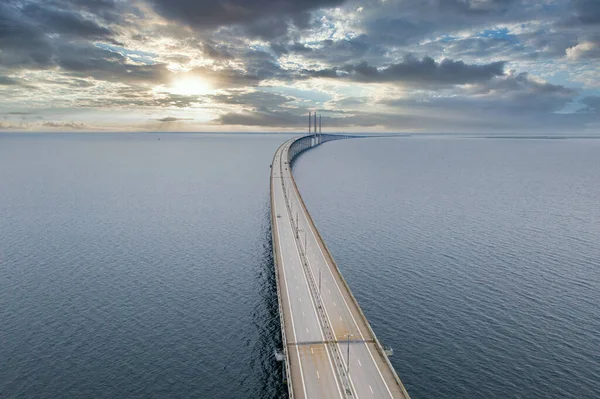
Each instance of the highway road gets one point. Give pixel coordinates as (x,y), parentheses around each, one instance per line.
(330,349)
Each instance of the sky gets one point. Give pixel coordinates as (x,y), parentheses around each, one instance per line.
(461,66)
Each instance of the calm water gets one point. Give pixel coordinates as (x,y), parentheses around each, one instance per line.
(133,267)
(138,267)
(477,260)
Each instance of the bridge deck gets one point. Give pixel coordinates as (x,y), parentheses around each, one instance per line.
(321,320)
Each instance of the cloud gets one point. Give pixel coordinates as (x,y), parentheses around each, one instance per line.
(514,95)
(342,51)
(23,42)
(173,119)
(15,83)
(584,50)
(9,126)
(264,117)
(262,18)
(65,22)
(86,60)
(258,99)
(588,11)
(216,53)
(413,71)
(368,63)
(6,81)
(109,11)
(65,125)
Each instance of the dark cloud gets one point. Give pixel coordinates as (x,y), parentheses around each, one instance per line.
(216,53)
(65,22)
(263,18)
(416,72)
(479,47)
(336,52)
(22,42)
(397,31)
(173,119)
(31,33)
(218,13)
(588,11)
(405,22)
(412,23)
(85,60)
(522,83)
(263,65)
(16,83)
(76,43)
(295,47)
(134,97)
(65,125)
(514,94)
(477,7)
(264,117)
(256,99)
(109,11)
(6,81)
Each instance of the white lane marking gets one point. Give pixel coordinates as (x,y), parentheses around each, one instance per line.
(315,309)
(312,351)
(307,330)
(318,375)
(349,311)
(341,350)
(300,299)
(348,308)
(341,318)
(359,363)
(292,318)
(371,389)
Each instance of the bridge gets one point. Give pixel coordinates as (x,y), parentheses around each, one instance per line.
(329,348)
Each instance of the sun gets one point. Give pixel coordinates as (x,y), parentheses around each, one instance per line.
(190,86)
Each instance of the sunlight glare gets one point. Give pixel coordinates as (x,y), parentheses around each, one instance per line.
(190,86)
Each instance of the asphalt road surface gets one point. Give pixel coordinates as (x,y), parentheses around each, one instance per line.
(330,348)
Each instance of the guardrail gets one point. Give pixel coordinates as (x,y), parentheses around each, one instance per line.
(301,145)
(275,239)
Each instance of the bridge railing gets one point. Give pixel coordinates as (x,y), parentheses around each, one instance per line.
(276,254)
(301,145)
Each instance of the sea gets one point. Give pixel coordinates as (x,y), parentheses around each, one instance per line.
(139,265)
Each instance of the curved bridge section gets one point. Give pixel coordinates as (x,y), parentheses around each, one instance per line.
(330,350)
